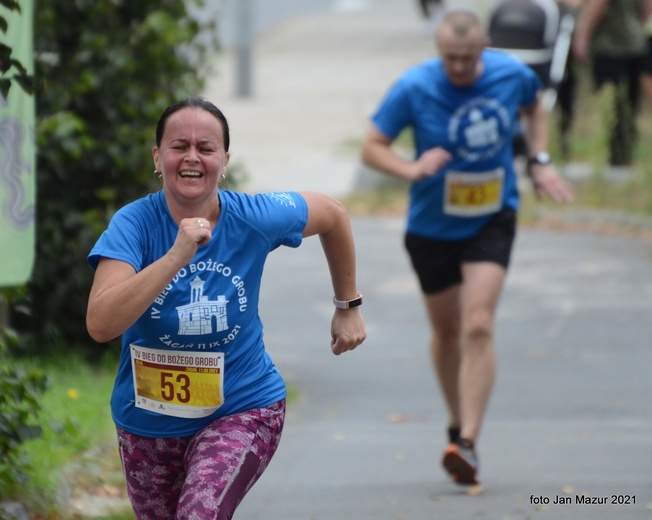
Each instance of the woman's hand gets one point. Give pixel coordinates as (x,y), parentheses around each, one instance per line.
(119,295)
(328,218)
(347,330)
(193,232)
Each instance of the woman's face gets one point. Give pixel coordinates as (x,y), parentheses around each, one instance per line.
(191,156)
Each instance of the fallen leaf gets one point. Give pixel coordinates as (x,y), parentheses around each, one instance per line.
(475,490)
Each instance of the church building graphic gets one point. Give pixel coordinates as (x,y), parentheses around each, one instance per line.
(202,316)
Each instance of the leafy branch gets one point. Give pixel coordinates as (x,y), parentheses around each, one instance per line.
(20,75)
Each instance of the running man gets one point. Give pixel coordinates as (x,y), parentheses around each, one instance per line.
(462,109)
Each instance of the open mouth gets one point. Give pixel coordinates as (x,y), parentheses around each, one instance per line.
(190,175)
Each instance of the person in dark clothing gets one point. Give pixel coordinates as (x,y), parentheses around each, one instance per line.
(611,36)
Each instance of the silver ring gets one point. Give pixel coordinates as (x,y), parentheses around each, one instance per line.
(201,225)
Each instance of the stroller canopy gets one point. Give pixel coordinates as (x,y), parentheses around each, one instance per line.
(525,28)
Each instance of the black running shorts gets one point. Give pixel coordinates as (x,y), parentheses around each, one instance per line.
(438,263)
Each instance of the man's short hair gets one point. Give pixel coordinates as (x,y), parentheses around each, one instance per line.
(461,21)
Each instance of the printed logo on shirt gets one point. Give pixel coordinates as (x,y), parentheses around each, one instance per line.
(478,129)
(284,199)
(203,316)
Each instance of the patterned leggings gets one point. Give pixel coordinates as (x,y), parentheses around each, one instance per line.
(204,476)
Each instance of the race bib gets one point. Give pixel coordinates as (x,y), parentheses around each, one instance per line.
(179,384)
(473,194)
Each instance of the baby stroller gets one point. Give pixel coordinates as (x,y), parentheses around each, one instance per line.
(539,33)
(429,6)
(431,11)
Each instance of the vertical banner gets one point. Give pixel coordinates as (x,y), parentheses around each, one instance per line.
(17,156)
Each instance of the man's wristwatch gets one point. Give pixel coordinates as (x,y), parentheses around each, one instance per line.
(539,158)
(348,304)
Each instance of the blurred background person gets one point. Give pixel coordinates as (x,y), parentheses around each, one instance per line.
(539,33)
(646,72)
(610,36)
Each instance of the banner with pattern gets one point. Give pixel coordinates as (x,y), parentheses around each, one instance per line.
(17,156)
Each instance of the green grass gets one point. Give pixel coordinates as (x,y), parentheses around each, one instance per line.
(588,146)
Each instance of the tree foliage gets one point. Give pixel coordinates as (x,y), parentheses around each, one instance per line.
(20,389)
(109,68)
(12,69)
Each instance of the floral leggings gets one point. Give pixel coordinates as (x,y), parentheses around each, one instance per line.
(204,476)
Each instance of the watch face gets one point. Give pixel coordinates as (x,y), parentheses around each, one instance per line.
(542,158)
(355,303)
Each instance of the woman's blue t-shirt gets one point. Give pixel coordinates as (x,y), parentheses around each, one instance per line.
(210,306)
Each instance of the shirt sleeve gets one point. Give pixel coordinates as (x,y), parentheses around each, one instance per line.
(123,240)
(532,85)
(394,113)
(280,216)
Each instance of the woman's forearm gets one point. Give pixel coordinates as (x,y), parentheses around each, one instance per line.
(119,296)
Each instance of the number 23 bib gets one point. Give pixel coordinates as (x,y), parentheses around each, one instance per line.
(473,194)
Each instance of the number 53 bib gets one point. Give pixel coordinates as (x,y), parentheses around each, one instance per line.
(179,384)
(473,194)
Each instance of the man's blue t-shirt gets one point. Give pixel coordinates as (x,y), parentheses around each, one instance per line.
(204,325)
(476,125)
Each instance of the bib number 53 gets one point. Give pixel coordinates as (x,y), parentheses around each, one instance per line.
(175,387)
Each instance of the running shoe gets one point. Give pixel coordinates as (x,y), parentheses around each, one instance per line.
(461,463)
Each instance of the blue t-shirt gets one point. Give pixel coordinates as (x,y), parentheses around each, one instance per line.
(210,306)
(476,125)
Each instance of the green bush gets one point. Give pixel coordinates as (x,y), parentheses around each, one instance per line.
(109,68)
(20,393)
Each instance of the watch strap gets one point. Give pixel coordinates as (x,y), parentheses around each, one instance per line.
(348,304)
(540,158)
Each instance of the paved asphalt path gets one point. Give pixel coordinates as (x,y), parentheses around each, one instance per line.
(570,414)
